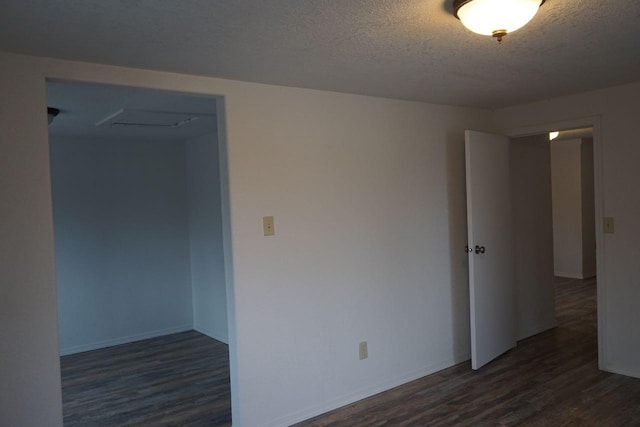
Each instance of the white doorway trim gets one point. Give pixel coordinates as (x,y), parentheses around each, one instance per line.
(594,122)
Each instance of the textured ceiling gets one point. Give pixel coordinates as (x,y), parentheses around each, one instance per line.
(408,49)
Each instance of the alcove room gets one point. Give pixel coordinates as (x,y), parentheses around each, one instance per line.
(139,259)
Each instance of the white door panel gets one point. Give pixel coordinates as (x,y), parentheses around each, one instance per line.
(491,274)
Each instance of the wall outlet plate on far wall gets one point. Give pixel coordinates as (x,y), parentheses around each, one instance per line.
(267,225)
(608,225)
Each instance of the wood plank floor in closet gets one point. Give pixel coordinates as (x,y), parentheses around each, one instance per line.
(179,380)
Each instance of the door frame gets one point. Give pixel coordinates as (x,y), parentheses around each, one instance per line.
(594,122)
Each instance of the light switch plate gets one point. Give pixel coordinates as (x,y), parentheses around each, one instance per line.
(267,224)
(608,224)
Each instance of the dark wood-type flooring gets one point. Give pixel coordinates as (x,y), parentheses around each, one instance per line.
(551,379)
(178,380)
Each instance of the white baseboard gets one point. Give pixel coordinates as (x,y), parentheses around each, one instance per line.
(123,340)
(364,393)
(582,276)
(535,330)
(624,372)
(211,334)
(568,275)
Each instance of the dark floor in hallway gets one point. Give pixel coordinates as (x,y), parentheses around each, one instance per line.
(175,380)
(551,379)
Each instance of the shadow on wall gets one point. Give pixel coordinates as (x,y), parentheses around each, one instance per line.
(459,266)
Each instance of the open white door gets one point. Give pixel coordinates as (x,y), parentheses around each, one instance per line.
(491,257)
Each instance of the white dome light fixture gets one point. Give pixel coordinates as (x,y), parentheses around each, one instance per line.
(495,18)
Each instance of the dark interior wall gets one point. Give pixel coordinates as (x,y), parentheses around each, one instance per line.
(205,237)
(121,241)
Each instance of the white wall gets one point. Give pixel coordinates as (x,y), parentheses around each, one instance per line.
(614,111)
(121,241)
(533,237)
(365,194)
(29,362)
(205,237)
(368,199)
(574,236)
(379,180)
(566,178)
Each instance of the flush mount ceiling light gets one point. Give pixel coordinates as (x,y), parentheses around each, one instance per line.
(495,18)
